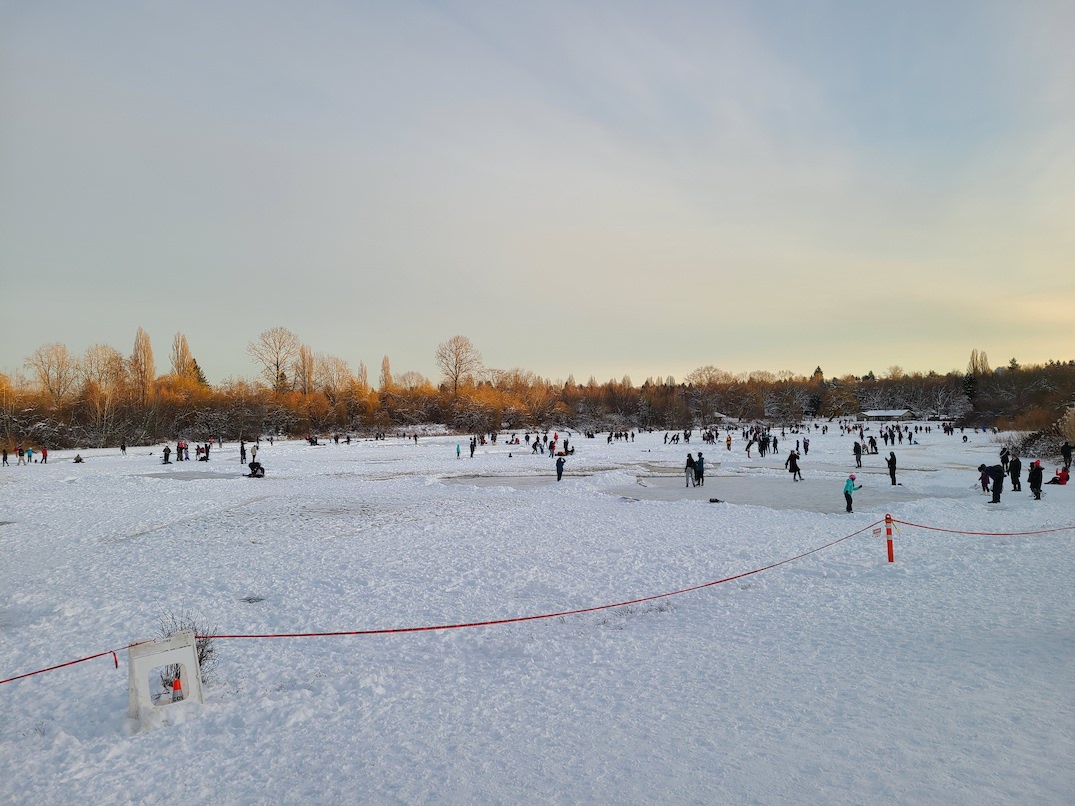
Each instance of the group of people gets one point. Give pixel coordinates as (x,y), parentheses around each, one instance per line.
(694,470)
(991,477)
(26,455)
(182,452)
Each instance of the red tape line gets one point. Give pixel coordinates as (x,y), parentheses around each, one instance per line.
(985,534)
(390,630)
(494,622)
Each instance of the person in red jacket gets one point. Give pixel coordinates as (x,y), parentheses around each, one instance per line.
(1061,477)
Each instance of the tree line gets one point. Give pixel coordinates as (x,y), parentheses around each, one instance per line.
(103,397)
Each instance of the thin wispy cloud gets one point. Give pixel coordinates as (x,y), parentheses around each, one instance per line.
(582,189)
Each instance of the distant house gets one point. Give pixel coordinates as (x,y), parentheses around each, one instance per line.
(887,414)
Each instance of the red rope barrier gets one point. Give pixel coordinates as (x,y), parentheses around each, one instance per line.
(111,652)
(985,534)
(490,623)
(389,630)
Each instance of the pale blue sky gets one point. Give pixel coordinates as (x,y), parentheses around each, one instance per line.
(581,188)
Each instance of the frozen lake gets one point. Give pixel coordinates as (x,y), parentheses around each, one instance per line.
(947,676)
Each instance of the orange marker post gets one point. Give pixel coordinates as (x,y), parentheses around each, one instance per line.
(888,538)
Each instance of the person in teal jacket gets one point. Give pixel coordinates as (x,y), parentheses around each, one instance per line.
(849,487)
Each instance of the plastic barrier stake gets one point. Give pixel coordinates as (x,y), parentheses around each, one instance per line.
(888,538)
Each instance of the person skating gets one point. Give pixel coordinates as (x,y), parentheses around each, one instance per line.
(699,470)
(849,488)
(891,462)
(688,470)
(792,464)
(858,454)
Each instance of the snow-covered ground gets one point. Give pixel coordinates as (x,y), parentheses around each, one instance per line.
(946,677)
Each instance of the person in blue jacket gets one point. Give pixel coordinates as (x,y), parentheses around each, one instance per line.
(849,487)
(560,468)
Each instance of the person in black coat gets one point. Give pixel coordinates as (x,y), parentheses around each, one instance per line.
(1033,477)
(792,464)
(996,474)
(891,461)
(1065,451)
(1015,467)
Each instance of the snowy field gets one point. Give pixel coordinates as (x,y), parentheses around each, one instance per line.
(946,677)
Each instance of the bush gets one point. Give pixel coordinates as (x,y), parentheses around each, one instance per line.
(168,625)
(1067,425)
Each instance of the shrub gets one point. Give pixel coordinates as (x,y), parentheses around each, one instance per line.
(168,625)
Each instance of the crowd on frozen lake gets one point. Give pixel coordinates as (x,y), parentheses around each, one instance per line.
(838,677)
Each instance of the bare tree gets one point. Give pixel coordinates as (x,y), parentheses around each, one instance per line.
(303,369)
(411,380)
(386,375)
(143,370)
(458,358)
(978,363)
(709,375)
(56,370)
(274,350)
(332,376)
(104,375)
(182,360)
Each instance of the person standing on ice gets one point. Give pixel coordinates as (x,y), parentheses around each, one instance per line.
(1015,467)
(458,450)
(983,478)
(242,452)
(560,462)
(688,470)
(858,454)
(699,470)
(1065,451)
(891,462)
(1033,477)
(849,488)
